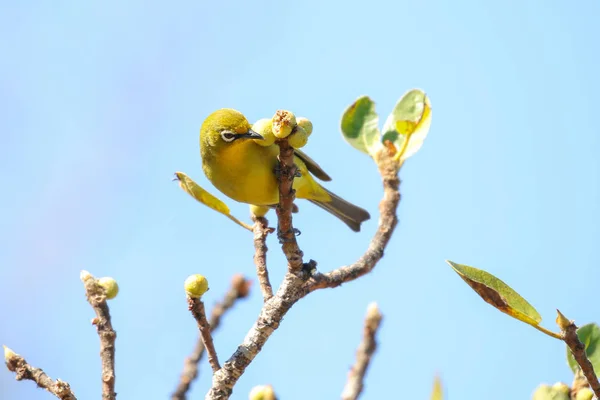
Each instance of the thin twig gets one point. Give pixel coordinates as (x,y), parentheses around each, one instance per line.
(295,283)
(368,345)
(196,306)
(240,288)
(23,370)
(96,296)
(285,229)
(387,222)
(569,333)
(261,231)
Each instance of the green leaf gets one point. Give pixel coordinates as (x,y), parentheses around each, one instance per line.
(359,126)
(498,294)
(408,124)
(204,197)
(437,393)
(589,335)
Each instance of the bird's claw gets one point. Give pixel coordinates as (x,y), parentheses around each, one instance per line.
(285,238)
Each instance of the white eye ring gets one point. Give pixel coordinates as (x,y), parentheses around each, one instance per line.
(228,136)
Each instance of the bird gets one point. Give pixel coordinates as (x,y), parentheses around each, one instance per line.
(245,171)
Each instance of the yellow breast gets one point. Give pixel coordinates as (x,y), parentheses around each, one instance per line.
(245,172)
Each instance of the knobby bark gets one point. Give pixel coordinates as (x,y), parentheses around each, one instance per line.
(96,296)
(240,288)
(23,370)
(299,281)
(366,349)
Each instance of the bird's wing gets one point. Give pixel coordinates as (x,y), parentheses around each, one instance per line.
(312,166)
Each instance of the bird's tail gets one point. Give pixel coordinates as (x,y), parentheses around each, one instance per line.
(347,212)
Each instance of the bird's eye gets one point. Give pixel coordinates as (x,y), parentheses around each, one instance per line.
(228,136)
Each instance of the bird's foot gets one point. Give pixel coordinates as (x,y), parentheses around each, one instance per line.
(289,236)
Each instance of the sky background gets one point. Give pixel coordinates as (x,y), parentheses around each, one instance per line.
(101,102)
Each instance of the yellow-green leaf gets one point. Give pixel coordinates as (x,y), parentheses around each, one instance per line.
(204,197)
(359,126)
(437,393)
(408,124)
(498,293)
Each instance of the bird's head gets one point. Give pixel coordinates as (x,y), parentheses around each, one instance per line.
(225,127)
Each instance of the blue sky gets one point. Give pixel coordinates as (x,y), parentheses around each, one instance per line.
(102,102)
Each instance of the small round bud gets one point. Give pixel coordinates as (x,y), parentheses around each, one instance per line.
(265,128)
(196,285)
(262,392)
(259,211)
(110,286)
(283,123)
(584,394)
(561,387)
(298,138)
(241,285)
(306,124)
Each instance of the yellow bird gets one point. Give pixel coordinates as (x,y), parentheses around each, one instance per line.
(245,171)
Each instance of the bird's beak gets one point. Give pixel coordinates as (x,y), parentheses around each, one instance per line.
(252,135)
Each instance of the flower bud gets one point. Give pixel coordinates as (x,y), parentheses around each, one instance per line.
(196,285)
(283,123)
(262,392)
(265,128)
(110,286)
(298,138)
(259,211)
(584,394)
(306,124)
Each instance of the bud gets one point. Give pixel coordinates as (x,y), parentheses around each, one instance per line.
(110,286)
(8,353)
(196,285)
(283,123)
(306,124)
(259,211)
(298,138)
(262,392)
(584,394)
(265,128)
(545,392)
(562,321)
(562,388)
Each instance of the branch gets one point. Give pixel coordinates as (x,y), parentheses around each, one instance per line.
(96,296)
(23,370)
(569,333)
(196,306)
(387,223)
(240,288)
(296,282)
(367,347)
(261,230)
(286,172)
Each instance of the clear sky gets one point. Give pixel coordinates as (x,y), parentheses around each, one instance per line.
(102,101)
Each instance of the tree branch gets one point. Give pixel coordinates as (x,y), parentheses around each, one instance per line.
(295,285)
(240,288)
(387,224)
(23,370)
(354,384)
(196,306)
(285,229)
(96,296)
(261,231)
(569,333)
